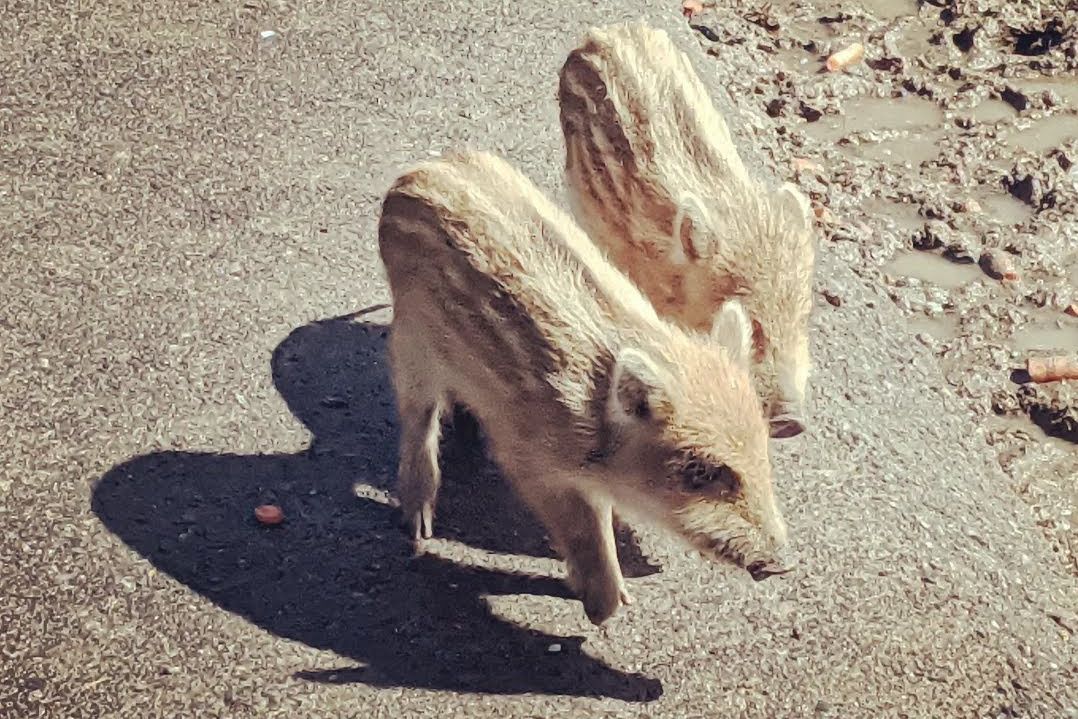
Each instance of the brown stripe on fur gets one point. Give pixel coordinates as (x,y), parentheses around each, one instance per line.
(587,79)
(578,75)
(603,187)
(407,219)
(600,185)
(589,165)
(642,145)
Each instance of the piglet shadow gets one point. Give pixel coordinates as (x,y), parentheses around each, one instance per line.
(334,377)
(338,574)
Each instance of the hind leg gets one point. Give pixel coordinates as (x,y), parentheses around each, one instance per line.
(420,406)
(418,474)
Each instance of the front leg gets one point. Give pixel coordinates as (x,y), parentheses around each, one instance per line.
(582,530)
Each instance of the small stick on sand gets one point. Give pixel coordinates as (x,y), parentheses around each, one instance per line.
(845,57)
(1052,369)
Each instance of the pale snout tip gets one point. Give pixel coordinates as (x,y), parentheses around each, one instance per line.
(786,426)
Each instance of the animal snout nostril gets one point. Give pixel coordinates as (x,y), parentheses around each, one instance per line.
(781,561)
(760,571)
(786,426)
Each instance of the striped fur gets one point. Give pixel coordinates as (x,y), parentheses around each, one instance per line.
(655,179)
(588,399)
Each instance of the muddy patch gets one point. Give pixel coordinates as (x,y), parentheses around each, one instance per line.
(938,328)
(1039,136)
(1060,337)
(1002,207)
(993,111)
(933,269)
(902,217)
(890,9)
(949,167)
(901,130)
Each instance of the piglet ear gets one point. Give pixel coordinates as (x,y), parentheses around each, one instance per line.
(636,387)
(687,233)
(794,206)
(732,329)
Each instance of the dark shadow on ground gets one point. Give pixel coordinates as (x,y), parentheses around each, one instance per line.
(339,574)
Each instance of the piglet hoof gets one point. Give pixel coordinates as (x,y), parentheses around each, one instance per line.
(419,524)
(602,602)
(600,609)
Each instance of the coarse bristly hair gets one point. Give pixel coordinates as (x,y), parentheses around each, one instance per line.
(587,397)
(656,181)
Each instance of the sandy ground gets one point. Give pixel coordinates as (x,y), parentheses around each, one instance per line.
(187,215)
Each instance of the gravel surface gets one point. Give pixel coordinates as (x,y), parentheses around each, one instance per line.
(188,210)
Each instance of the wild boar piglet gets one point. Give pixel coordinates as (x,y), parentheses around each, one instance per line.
(588,399)
(655,180)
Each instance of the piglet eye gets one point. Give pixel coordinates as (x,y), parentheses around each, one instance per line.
(701,476)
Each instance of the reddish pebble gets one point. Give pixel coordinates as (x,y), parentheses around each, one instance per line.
(691,7)
(823,214)
(1072,309)
(269,514)
(803,163)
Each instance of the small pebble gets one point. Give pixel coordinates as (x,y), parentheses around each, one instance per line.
(1072,309)
(933,235)
(998,265)
(804,164)
(691,7)
(823,214)
(554,648)
(707,32)
(267,34)
(269,514)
